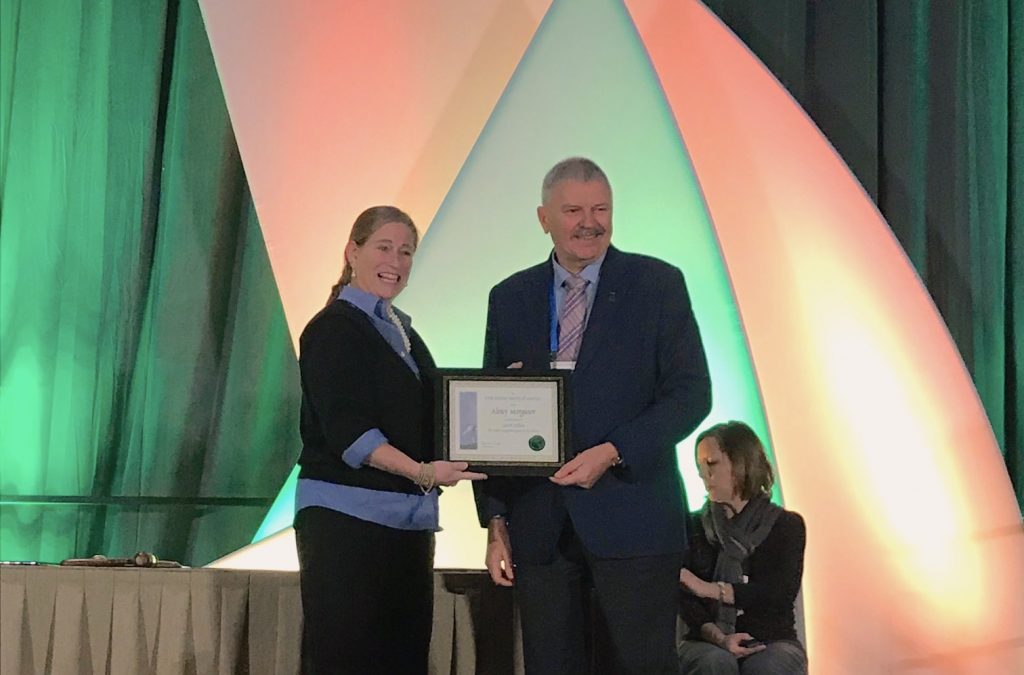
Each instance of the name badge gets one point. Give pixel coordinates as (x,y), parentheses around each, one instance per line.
(563,365)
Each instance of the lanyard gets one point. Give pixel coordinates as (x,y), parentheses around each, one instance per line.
(553,332)
(553,337)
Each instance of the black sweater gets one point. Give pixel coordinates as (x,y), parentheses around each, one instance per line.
(774,572)
(353,381)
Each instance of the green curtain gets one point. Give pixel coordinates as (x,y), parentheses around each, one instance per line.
(925,102)
(148,386)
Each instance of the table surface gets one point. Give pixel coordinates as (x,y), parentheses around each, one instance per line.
(127,620)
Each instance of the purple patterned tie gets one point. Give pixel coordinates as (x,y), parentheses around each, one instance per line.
(570,325)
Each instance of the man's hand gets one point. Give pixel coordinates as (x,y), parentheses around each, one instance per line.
(586,468)
(499,553)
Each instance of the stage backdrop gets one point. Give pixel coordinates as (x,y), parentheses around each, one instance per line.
(148,394)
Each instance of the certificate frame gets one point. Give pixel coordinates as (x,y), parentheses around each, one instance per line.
(529,438)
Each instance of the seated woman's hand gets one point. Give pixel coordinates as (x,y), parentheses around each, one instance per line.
(450,473)
(731,644)
(696,585)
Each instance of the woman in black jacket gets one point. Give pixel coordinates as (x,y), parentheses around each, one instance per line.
(745,565)
(367,497)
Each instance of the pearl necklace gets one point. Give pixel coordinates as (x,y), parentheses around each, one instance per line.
(393,317)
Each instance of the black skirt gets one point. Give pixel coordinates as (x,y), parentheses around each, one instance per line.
(367,595)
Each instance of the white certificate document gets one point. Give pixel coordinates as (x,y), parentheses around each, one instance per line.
(504,421)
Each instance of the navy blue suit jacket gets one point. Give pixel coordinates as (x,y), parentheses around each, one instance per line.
(641,382)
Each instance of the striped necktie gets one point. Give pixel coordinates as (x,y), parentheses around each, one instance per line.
(574,312)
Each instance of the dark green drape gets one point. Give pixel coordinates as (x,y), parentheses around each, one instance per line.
(925,101)
(148,396)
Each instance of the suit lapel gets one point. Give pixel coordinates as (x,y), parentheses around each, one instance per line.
(610,291)
(366,325)
(536,296)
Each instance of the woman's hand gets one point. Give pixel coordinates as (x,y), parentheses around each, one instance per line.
(450,473)
(696,585)
(706,589)
(731,644)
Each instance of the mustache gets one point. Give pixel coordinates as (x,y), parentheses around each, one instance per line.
(588,230)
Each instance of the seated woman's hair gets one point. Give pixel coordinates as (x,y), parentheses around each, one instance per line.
(368,222)
(750,468)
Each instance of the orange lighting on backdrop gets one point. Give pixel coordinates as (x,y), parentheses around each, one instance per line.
(915,548)
(339,105)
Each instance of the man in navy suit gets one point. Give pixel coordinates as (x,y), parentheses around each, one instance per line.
(614,515)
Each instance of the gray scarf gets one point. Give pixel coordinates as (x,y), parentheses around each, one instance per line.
(736,538)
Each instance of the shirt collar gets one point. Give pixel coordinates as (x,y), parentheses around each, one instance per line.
(591,272)
(370,304)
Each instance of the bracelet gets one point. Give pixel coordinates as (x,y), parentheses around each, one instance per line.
(427,477)
(721,592)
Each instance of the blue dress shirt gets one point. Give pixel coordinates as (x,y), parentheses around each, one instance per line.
(393,509)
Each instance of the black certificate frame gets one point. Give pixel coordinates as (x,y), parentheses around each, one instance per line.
(444,377)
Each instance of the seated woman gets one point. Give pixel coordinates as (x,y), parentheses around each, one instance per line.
(744,566)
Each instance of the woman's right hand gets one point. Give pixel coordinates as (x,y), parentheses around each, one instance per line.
(731,644)
(450,473)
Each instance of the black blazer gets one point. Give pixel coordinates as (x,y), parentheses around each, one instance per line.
(353,381)
(641,382)
(774,572)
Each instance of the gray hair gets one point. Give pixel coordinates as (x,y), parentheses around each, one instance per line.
(574,168)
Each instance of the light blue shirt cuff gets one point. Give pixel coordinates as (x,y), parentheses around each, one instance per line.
(355,455)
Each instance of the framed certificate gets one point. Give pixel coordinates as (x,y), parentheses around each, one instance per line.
(503,422)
